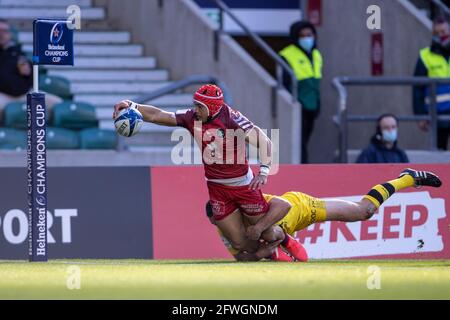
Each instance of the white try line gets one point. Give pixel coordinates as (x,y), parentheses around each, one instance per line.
(310,265)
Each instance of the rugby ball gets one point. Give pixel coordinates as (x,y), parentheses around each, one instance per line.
(128,122)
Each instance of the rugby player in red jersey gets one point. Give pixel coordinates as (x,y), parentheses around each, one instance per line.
(221,133)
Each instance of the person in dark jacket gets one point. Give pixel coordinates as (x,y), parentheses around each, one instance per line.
(16,72)
(383,145)
(305,60)
(433,62)
(16,76)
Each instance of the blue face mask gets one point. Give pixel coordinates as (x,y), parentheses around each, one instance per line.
(307,43)
(389,136)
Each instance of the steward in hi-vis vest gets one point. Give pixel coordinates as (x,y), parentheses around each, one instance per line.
(434,62)
(305,60)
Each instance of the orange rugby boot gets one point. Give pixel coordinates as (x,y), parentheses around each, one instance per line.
(280,255)
(295,248)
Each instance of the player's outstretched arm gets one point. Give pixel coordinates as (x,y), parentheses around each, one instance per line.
(149,113)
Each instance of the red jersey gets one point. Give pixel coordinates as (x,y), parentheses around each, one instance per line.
(224,154)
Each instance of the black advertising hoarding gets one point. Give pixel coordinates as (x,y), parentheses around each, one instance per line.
(92,213)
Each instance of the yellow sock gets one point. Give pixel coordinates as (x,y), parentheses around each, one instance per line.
(405,181)
(381,192)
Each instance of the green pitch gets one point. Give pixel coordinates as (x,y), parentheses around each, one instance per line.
(182,279)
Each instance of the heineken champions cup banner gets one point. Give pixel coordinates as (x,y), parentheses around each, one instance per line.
(52,45)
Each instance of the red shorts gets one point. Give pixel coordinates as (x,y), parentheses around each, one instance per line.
(225,200)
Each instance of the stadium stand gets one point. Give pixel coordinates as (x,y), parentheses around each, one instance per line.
(108,68)
(115,59)
(12,139)
(69,118)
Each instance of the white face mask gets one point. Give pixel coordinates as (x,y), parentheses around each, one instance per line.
(389,135)
(307,43)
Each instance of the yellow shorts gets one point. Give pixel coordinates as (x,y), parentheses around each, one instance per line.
(305,211)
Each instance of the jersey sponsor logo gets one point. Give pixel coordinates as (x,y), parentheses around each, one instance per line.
(218,207)
(220,133)
(252,207)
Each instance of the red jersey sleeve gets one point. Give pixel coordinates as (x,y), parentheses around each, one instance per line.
(185,118)
(241,121)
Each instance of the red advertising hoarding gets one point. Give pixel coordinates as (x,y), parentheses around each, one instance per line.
(414,223)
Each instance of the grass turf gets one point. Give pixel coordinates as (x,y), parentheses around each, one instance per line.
(222,279)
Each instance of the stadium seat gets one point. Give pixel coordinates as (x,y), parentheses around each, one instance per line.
(13,139)
(95,138)
(42,71)
(74,115)
(15,115)
(58,86)
(59,138)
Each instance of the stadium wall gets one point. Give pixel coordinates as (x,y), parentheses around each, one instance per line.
(159,212)
(345,42)
(182,38)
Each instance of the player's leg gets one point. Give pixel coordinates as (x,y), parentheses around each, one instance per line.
(347,211)
(233,229)
(228,218)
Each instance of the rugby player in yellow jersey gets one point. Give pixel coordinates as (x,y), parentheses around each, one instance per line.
(306,210)
(270,246)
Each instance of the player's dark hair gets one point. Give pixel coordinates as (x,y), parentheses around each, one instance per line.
(209,211)
(380,118)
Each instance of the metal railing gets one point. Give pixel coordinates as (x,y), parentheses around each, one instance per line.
(442,7)
(281,66)
(343,117)
(183,83)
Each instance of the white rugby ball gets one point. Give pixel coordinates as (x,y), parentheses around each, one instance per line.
(128,122)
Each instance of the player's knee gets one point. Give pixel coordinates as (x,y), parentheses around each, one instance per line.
(270,235)
(365,212)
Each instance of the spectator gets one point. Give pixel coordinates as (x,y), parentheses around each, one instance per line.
(383,145)
(433,63)
(306,61)
(16,73)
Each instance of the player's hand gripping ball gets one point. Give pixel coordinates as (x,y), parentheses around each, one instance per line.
(129,121)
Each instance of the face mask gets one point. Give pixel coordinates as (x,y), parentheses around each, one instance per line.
(307,43)
(443,41)
(389,135)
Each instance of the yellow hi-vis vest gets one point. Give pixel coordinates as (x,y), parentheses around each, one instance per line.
(436,64)
(308,75)
(437,67)
(300,63)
